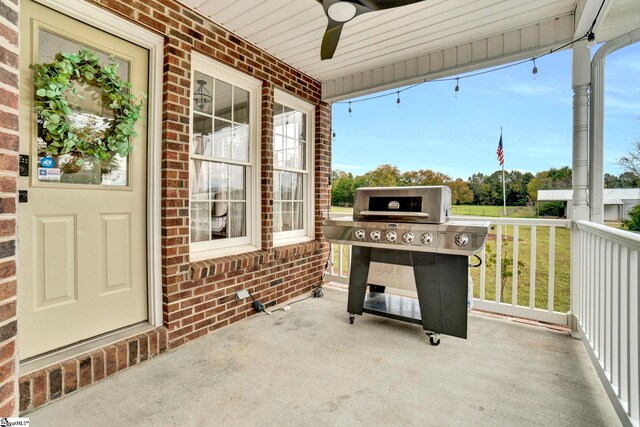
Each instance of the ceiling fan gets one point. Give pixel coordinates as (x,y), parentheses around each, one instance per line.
(339,12)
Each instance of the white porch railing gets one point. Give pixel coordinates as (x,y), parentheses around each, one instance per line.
(605,303)
(527,243)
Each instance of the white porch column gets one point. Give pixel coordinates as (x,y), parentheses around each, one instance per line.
(596,128)
(581,78)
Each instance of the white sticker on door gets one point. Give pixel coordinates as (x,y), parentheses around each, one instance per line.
(49,174)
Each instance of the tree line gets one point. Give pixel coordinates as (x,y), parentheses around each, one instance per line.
(521,188)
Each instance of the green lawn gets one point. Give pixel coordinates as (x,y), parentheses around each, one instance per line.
(562,259)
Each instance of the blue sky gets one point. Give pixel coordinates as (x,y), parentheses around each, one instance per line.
(433,129)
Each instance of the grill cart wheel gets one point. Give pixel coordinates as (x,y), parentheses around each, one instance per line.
(434,339)
(352,318)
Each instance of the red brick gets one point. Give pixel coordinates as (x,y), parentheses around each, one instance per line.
(84,365)
(7,311)
(97,364)
(25,393)
(7,290)
(7,350)
(7,391)
(8,409)
(111,358)
(123,355)
(38,388)
(70,376)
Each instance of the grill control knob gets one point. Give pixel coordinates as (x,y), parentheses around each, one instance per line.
(391,236)
(426,238)
(359,234)
(375,235)
(407,237)
(461,239)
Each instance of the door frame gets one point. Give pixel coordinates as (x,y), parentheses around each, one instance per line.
(154,42)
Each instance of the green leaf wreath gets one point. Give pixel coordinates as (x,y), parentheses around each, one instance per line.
(52,82)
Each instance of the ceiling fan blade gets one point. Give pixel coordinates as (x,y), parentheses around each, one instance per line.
(384,4)
(330,39)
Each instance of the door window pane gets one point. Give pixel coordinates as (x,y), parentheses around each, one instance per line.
(91,116)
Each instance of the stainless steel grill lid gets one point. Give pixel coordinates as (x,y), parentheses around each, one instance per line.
(405,204)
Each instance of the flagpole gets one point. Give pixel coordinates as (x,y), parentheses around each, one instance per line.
(504,193)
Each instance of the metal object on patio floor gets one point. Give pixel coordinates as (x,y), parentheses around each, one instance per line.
(402,237)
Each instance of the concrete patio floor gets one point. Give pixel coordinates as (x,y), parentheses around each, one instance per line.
(308,366)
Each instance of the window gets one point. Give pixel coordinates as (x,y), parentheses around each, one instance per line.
(293,167)
(224,204)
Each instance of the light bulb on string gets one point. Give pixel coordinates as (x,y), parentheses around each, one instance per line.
(534,70)
(350,111)
(398,100)
(333,134)
(457,88)
(591,40)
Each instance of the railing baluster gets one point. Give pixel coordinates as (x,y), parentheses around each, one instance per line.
(552,269)
(514,268)
(498,262)
(340,266)
(615,317)
(532,270)
(624,325)
(483,270)
(634,354)
(607,306)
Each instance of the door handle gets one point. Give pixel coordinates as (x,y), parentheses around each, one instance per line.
(23,196)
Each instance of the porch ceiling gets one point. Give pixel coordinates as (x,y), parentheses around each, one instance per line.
(395,47)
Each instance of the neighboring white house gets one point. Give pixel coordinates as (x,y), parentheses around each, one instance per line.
(617,201)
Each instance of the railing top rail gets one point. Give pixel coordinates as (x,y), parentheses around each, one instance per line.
(620,236)
(566,223)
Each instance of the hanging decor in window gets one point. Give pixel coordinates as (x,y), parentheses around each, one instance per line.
(201,96)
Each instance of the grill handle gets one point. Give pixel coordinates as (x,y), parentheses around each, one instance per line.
(391,213)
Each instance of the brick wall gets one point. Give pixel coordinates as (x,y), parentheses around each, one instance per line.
(9,54)
(199,297)
(68,376)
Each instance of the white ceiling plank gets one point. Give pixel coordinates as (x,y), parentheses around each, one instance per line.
(406,45)
(432,37)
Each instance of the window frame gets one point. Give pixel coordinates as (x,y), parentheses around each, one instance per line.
(307,233)
(251,242)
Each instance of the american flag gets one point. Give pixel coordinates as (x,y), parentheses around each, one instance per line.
(500,153)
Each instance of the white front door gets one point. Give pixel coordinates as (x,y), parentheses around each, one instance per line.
(82,264)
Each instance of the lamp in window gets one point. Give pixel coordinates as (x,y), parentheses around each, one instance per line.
(201,96)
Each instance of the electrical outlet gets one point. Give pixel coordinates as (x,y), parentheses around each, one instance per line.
(242,295)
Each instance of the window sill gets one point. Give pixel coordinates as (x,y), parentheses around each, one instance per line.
(305,248)
(291,240)
(210,264)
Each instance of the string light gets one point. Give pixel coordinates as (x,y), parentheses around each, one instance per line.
(589,36)
(333,134)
